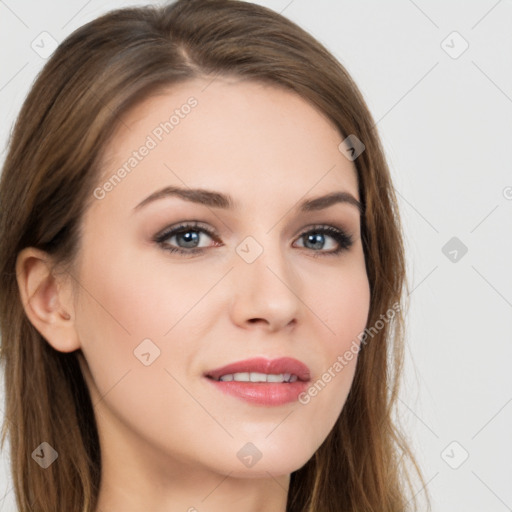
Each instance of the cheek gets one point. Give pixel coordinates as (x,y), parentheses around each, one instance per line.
(343,307)
(138,295)
(117,309)
(343,304)
(126,305)
(130,299)
(348,317)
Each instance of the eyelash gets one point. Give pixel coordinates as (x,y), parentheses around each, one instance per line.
(343,239)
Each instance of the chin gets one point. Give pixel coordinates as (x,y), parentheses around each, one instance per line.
(276,461)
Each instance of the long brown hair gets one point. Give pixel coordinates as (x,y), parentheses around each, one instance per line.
(100,71)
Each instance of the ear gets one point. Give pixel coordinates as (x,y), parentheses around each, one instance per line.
(47,299)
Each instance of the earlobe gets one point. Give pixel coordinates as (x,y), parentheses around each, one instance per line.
(45,299)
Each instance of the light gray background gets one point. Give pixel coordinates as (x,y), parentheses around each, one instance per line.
(446,127)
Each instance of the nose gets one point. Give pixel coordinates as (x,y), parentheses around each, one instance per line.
(266,292)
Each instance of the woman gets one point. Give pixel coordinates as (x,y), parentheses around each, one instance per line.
(202,274)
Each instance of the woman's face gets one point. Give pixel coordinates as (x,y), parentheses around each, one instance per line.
(257,280)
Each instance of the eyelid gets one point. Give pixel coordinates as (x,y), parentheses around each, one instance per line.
(184,226)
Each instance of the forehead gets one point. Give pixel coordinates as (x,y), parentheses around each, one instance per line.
(255,139)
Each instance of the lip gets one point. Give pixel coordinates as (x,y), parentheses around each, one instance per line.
(263,365)
(263,393)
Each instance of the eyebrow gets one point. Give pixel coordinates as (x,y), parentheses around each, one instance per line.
(225,201)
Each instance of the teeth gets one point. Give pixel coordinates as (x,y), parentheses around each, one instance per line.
(259,377)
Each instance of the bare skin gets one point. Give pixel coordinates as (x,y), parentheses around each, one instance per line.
(169,439)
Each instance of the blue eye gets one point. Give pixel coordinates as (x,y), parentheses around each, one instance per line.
(188,237)
(188,232)
(317,236)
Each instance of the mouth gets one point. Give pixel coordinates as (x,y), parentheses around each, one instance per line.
(283,369)
(262,381)
(257,377)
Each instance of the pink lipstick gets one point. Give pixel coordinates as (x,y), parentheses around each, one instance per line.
(262,381)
